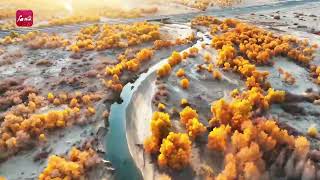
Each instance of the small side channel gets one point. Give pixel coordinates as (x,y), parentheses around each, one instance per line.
(117,150)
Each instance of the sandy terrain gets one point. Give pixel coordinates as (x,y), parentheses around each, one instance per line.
(296,114)
(58,70)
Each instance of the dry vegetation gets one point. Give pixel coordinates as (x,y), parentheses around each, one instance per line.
(205,4)
(73,166)
(238,128)
(30,116)
(244,137)
(23,125)
(56,13)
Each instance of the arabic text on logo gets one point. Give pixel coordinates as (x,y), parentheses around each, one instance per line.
(24,18)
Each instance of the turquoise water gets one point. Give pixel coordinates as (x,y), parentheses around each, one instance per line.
(117,146)
(116,141)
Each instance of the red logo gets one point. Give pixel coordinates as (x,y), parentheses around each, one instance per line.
(24,18)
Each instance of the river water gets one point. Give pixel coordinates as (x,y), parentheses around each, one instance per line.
(117,146)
